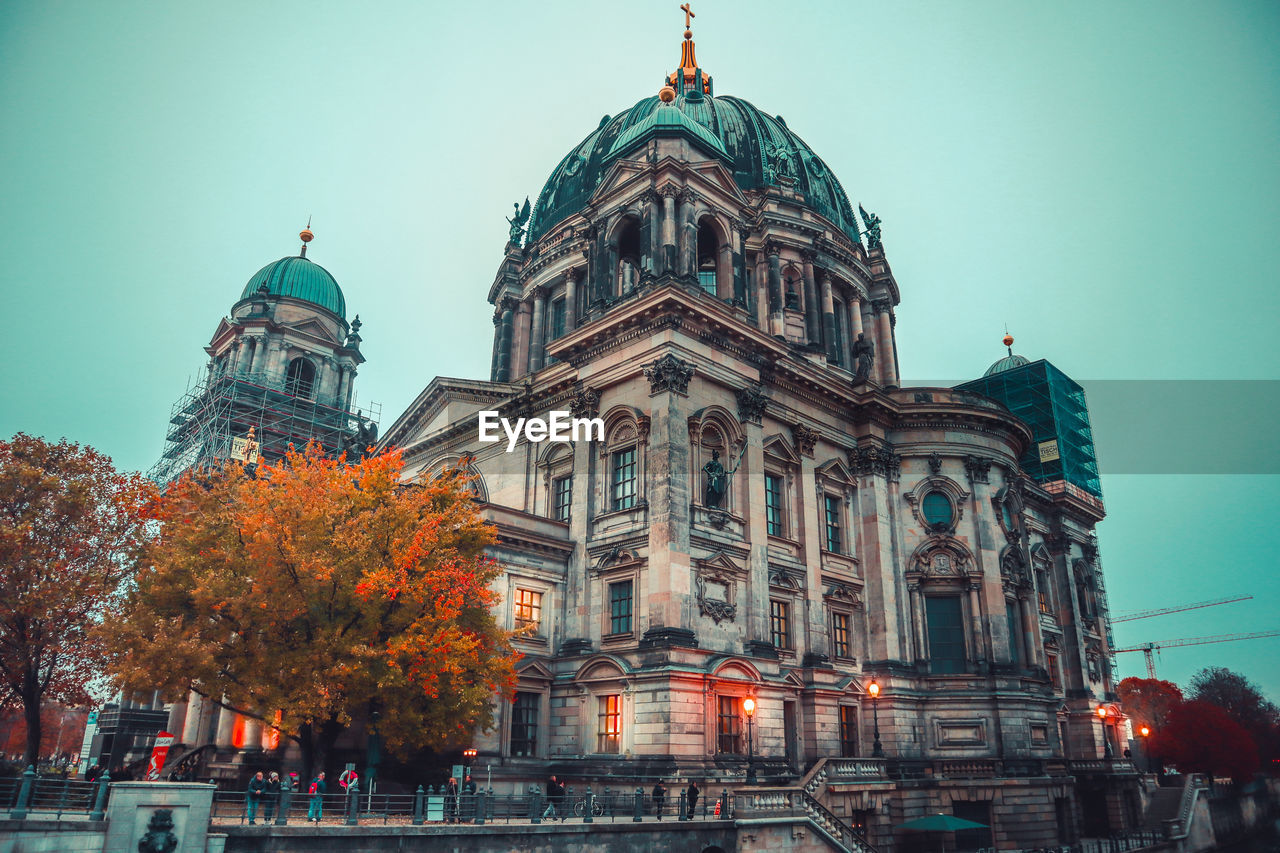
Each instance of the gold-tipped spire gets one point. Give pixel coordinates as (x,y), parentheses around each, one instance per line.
(306,236)
(688,78)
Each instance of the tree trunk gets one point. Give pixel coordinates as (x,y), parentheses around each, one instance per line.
(31,713)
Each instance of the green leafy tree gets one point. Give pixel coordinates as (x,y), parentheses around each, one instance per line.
(317,592)
(71,530)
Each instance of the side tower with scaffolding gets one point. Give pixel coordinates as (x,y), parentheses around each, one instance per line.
(281,372)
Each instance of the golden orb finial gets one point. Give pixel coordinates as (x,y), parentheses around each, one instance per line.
(1008,339)
(666,94)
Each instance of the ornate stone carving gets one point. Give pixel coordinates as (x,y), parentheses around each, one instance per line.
(688,196)
(978,469)
(806,439)
(876,459)
(751,405)
(585,403)
(882,306)
(159,837)
(668,191)
(935,462)
(772,248)
(669,374)
(716,593)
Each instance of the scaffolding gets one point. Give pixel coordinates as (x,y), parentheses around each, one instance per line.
(220,408)
(1053,405)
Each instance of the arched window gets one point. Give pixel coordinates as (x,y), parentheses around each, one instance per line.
(708,253)
(628,272)
(300,379)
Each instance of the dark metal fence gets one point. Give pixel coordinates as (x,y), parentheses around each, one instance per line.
(47,797)
(435,805)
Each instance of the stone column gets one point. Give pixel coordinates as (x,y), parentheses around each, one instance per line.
(237,355)
(537,345)
(344,386)
(497,344)
(351,388)
(507,323)
(571,300)
(196,711)
(667,492)
(811,328)
(177,719)
(979,651)
(884,344)
(654,221)
(829,318)
(668,229)
(777,324)
(520,342)
(917,644)
(756,595)
(688,234)
(762,291)
(855,323)
(738,258)
(275,361)
(809,523)
(226,727)
(1031,632)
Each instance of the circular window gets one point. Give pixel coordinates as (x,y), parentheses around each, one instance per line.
(937,510)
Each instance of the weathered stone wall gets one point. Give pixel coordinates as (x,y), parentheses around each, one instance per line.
(51,836)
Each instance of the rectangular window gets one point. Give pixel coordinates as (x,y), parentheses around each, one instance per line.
(848,731)
(946,634)
(707,281)
(779,624)
(729,725)
(1055,680)
(561,498)
(838,330)
(1042,585)
(840,635)
(528,608)
(609,728)
(773,504)
(620,607)
(524,724)
(832,507)
(1015,632)
(624,478)
(557,319)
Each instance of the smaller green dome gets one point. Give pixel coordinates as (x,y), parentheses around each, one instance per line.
(1009,362)
(302,279)
(667,120)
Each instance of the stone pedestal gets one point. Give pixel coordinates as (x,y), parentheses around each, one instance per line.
(132,805)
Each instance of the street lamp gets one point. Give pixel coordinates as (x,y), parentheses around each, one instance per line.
(467,755)
(1145,734)
(749,708)
(1106,741)
(877,751)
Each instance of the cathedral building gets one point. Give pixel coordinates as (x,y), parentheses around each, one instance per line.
(913,609)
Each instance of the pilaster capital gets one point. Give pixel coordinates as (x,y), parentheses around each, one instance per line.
(508,303)
(668,374)
(772,248)
(882,306)
(668,191)
(751,405)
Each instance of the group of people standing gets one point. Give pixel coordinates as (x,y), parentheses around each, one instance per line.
(265,789)
(556,793)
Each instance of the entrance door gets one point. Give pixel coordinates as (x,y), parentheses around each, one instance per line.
(792,734)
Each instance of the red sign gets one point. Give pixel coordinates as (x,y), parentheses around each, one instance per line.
(164,740)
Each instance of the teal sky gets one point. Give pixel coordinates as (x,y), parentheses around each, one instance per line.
(1102,177)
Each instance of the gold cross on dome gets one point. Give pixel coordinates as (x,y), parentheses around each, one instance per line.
(688,13)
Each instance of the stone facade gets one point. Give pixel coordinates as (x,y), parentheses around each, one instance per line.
(866,532)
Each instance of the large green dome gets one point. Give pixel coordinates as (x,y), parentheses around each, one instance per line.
(758,149)
(302,279)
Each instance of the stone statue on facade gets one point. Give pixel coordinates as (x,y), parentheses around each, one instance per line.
(864,353)
(518,220)
(717,480)
(872,223)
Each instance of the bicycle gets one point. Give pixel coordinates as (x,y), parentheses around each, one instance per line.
(580,807)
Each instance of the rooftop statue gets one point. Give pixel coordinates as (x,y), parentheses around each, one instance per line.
(872,223)
(864,353)
(518,220)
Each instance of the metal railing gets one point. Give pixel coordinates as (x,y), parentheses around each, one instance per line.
(437,806)
(55,797)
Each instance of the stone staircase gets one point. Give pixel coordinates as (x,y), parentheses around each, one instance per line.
(1163,806)
(838,833)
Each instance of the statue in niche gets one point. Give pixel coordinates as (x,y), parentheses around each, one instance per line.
(718,479)
(864,353)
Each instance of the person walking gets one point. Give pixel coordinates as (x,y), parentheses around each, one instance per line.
(316,791)
(692,796)
(451,800)
(257,787)
(270,797)
(555,797)
(659,797)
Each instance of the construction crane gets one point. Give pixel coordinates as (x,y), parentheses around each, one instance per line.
(1148,648)
(1147,614)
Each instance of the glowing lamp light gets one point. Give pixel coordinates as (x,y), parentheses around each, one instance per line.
(1102,711)
(1145,731)
(873,689)
(749,706)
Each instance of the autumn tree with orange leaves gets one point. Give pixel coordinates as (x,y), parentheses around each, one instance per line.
(315,592)
(71,530)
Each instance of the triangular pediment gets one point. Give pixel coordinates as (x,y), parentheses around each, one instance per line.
(224,326)
(721,562)
(315,329)
(778,446)
(621,173)
(835,470)
(714,173)
(534,668)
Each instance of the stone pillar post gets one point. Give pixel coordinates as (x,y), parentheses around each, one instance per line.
(654,221)
(237,357)
(762,291)
(809,523)
(887,611)
(884,344)
(855,318)
(571,300)
(275,361)
(975,623)
(739,237)
(668,229)
(777,324)
(1031,632)
(829,319)
(497,343)
(688,234)
(351,388)
(537,345)
(191,725)
(520,342)
(226,727)
(177,719)
(919,652)
(811,328)
(252,733)
(507,323)
(344,386)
